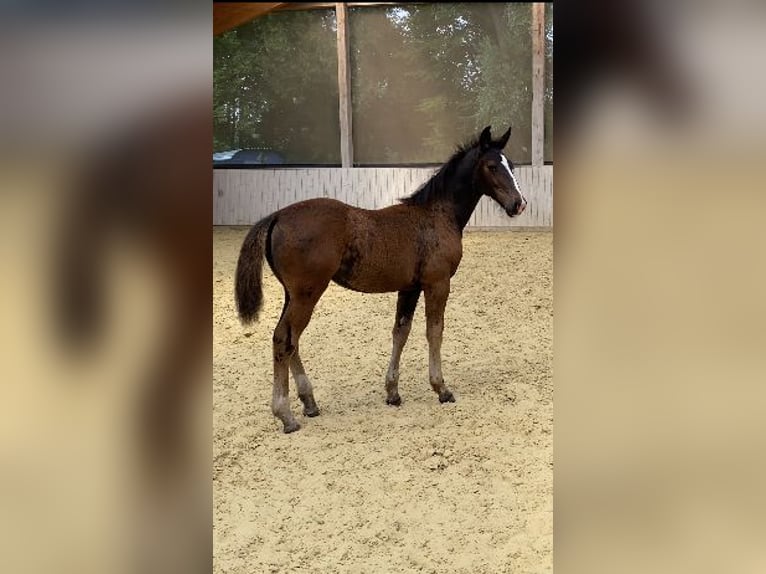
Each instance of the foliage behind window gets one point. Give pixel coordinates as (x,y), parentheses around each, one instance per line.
(424,77)
(275,87)
(428,76)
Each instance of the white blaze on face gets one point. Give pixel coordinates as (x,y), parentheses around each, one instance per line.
(507,167)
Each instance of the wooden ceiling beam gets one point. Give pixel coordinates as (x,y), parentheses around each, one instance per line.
(228,15)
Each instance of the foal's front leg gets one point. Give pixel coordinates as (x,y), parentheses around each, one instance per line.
(436,301)
(405,309)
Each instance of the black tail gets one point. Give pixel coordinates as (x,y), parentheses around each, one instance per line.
(248,288)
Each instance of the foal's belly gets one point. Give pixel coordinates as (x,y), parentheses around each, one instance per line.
(378,261)
(369,274)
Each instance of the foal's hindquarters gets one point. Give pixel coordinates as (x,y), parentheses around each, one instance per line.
(304,257)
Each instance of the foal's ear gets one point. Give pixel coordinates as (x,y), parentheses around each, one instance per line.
(485,139)
(504,139)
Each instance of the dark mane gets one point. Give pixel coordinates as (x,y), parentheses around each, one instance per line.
(437,186)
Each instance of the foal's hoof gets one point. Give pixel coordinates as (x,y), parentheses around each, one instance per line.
(447,397)
(309,405)
(292,427)
(395,401)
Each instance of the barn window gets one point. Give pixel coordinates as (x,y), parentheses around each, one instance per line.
(423,76)
(276,91)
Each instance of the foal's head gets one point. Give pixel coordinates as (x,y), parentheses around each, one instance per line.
(493,174)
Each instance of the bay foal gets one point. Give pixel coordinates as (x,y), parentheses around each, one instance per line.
(412,247)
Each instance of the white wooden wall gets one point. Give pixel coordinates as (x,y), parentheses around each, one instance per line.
(243,196)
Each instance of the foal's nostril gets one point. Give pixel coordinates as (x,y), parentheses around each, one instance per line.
(513,209)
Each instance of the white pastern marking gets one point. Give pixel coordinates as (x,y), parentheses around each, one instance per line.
(507,166)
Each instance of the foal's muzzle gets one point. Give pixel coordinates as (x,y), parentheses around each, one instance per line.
(517,207)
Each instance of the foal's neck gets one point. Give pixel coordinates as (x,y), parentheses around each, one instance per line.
(463,202)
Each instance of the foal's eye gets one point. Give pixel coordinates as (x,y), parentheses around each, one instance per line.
(492,167)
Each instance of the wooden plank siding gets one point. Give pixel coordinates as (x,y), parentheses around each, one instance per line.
(243,196)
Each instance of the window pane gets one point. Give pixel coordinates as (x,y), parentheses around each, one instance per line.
(548,145)
(276,89)
(428,76)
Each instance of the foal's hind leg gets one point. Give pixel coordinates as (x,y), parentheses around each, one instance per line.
(405,309)
(305,391)
(295,317)
(436,301)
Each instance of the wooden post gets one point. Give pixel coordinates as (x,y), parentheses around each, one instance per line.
(538,83)
(344,87)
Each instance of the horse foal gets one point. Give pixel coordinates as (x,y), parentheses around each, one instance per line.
(413,247)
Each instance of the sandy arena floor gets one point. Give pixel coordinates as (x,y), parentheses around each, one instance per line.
(368,488)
